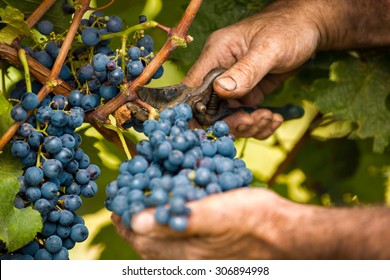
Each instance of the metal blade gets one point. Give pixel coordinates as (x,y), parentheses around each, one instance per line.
(162,97)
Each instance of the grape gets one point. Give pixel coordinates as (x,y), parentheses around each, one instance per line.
(29,101)
(53,244)
(43,254)
(20,149)
(43,114)
(42,205)
(161,215)
(63,254)
(116,76)
(75,97)
(52,168)
(59,102)
(90,36)
(178,223)
(49,190)
(135,68)
(44,58)
(72,202)
(18,113)
(99,62)
(134,53)
(142,18)
(79,233)
(158,74)
(66,217)
(33,176)
(45,27)
(147,42)
(114,24)
(52,144)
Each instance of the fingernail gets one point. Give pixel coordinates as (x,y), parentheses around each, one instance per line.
(227,83)
(142,223)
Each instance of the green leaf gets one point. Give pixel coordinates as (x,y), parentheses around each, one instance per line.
(5,118)
(357,92)
(15,27)
(17,226)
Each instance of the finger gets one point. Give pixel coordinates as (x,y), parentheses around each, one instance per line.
(213,55)
(227,210)
(245,74)
(276,122)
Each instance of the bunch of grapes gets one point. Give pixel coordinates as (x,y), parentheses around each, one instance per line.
(174,166)
(57,173)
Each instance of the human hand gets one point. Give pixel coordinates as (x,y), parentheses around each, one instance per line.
(239,224)
(259,52)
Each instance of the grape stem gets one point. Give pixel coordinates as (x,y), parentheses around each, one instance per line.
(23,59)
(128,94)
(295,150)
(52,80)
(121,137)
(39,12)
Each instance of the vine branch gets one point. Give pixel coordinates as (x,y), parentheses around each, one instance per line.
(52,81)
(128,94)
(291,155)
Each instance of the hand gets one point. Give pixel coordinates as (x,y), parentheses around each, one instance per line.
(238,224)
(259,52)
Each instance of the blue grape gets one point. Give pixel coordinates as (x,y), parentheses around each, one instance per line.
(29,101)
(79,233)
(147,42)
(20,149)
(178,223)
(52,168)
(18,113)
(114,24)
(45,27)
(90,36)
(116,76)
(135,68)
(53,244)
(134,53)
(33,175)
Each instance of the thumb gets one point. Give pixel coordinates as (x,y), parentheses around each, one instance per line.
(243,76)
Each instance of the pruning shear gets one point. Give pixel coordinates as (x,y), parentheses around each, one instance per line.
(207,107)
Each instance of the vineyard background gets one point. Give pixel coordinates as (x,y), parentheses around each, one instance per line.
(337,154)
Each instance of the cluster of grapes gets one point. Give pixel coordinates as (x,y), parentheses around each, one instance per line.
(174,166)
(56,174)
(94,69)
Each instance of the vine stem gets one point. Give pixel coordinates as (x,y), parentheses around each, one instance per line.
(121,138)
(39,12)
(23,59)
(52,81)
(176,37)
(291,155)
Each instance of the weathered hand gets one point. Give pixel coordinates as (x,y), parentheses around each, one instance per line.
(259,56)
(239,224)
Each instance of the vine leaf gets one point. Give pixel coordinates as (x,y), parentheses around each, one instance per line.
(357,92)
(17,226)
(15,25)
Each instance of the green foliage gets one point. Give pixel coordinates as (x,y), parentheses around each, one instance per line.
(17,226)
(15,25)
(357,91)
